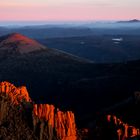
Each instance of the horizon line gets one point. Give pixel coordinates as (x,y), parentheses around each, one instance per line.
(69,20)
(20,23)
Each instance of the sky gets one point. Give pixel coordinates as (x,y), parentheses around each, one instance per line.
(69,10)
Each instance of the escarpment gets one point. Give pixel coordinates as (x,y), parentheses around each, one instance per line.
(21,119)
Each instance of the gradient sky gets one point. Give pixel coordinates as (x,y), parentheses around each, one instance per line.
(69,10)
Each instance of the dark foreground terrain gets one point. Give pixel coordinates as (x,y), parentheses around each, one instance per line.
(21,118)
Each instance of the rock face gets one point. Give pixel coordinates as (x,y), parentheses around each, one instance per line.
(16,95)
(20,118)
(15,113)
(60,123)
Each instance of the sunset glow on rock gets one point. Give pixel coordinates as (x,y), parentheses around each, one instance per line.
(62,122)
(19,44)
(123,130)
(49,122)
(16,95)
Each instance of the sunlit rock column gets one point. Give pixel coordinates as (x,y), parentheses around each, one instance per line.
(54,123)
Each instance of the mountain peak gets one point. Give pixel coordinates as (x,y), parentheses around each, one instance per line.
(18,43)
(16,35)
(130,21)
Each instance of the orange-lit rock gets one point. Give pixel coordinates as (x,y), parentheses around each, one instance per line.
(19,43)
(108,118)
(124,130)
(133,131)
(13,117)
(16,95)
(35,121)
(119,132)
(62,122)
(65,125)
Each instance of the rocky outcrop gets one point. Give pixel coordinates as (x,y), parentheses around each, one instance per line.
(123,130)
(65,125)
(15,113)
(59,124)
(21,119)
(16,95)
(110,127)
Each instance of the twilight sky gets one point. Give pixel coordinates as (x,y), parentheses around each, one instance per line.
(69,9)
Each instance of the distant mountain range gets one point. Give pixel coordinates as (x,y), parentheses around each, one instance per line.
(130,21)
(73,30)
